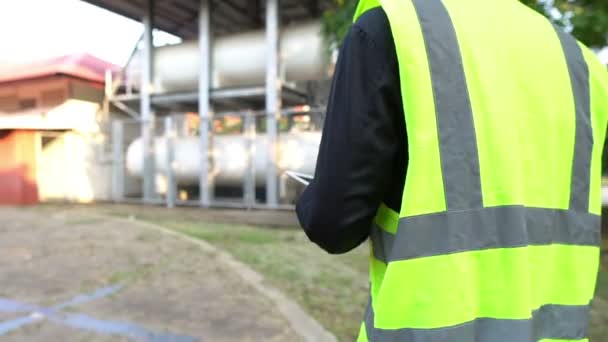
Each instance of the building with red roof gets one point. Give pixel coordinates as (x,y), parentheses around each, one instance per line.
(50,119)
(80,66)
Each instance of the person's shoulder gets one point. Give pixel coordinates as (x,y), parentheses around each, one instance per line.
(374,25)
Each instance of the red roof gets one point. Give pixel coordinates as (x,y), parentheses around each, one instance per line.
(83,66)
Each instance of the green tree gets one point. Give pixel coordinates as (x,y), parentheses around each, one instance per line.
(337,21)
(586,19)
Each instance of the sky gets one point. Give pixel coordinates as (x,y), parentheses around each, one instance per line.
(40,29)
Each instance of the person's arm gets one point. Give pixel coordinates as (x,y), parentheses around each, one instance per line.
(361,138)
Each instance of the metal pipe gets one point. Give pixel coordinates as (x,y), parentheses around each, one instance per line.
(118,160)
(249,179)
(273,102)
(107,94)
(124,75)
(108,90)
(298,152)
(147,116)
(171,195)
(126,109)
(204,39)
(303,58)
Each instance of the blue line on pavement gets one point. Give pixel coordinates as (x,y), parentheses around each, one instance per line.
(15,324)
(7,305)
(85,322)
(97,294)
(80,321)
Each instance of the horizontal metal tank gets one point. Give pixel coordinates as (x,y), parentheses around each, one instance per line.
(240,60)
(297,152)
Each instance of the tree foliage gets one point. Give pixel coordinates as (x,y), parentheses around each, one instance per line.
(337,21)
(586,19)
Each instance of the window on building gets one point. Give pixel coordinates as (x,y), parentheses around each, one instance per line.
(27,103)
(46,140)
(53,97)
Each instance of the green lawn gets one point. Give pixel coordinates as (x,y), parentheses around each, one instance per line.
(602,284)
(599,318)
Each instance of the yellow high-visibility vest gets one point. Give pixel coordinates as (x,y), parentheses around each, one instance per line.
(497,238)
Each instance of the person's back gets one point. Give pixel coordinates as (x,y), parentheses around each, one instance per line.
(484,175)
(498,232)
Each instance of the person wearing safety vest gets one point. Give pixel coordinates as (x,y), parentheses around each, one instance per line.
(464,138)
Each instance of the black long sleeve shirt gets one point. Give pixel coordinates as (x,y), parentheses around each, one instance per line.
(363,154)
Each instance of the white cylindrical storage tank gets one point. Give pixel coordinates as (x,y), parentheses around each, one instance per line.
(240,60)
(297,152)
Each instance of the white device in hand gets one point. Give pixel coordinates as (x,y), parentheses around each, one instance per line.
(302,178)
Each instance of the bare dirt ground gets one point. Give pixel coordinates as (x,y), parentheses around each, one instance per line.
(71,277)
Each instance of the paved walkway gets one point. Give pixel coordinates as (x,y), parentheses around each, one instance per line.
(71,277)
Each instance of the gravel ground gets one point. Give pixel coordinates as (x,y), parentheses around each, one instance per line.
(165,288)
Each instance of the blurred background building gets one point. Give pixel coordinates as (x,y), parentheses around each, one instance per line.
(50,137)
(215,120)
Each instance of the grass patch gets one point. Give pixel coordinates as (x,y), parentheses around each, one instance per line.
(140,272)
(599,316)
(602,283)
(231,235)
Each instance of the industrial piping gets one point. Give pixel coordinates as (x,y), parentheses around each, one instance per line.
(297,152)
(239,60)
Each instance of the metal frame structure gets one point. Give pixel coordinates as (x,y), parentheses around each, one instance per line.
(120,141)
(273,102)
(205,20)
(171,179)
(147,115)
(204,102)
(179,17)
(118,160)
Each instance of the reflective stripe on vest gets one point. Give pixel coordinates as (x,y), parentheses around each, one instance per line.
(556,322)
(583,142)
(476,240)
(486,228)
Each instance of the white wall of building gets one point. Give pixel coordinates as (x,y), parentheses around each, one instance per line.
(73,153)
(73,166)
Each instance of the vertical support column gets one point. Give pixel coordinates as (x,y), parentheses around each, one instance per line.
(249,180)
(147,116)
(69,156)
(273,98)
(170,154)
(118,161)
(204,105)
(108,93)
(108,87)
